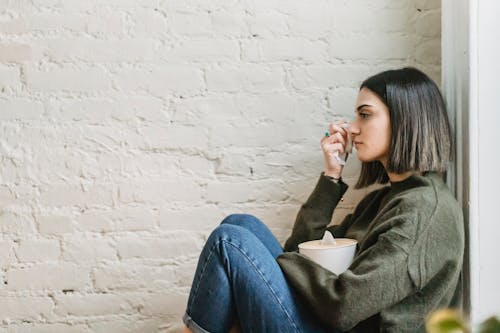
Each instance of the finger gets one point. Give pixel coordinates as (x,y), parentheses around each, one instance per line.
(335,138)
(338,137)
(337,128)
(332,147)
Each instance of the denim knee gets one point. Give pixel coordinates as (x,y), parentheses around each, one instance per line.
(242,219)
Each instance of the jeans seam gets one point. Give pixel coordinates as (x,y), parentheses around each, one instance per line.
(265,281)
(202,272)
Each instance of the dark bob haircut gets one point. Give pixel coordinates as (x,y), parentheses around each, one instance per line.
(420,131)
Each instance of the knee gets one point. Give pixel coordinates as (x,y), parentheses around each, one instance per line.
(243,220)
(226,231)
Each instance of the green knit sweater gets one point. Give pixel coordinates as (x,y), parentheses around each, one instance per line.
(407,264)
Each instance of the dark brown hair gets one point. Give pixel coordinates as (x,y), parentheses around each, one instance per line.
(420,130)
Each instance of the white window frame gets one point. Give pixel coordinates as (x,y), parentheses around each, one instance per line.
(471,85)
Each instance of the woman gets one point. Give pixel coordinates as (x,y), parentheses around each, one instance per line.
(410,233)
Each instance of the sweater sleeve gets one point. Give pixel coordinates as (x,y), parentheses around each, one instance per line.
(377,279)
(316,213)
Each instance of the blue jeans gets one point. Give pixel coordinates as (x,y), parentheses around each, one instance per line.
(238,281)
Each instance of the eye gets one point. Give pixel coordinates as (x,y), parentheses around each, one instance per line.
(363,115)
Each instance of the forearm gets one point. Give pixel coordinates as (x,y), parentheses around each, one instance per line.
(316,213)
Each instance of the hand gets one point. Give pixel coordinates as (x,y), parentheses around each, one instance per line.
(333,146)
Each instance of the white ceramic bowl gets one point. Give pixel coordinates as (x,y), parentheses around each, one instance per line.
(336,257)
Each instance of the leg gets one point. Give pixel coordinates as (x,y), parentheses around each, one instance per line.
(238,279)
(259,229)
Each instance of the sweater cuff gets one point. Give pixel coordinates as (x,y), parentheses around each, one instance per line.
(327,193)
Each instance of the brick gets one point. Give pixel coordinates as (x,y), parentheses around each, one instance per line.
(150,22)
(159,137)
(266,24)
(234,165)
(316,20)
(175,245)
(122,276)
(133,219)
(13,26)
(343,102)
(16,224)
(92,305)
(429,24)
(107,23)
(161,80)
(94,221)
(9,78)
(204,110)
(157,192)
(18,109)
(196,166)
(195,218)
(6,253)
(74,195)
(21,307)
(164,304)
(55,224)
(86,80)
(246,78)
(290,49)
(429,52)
(127,325)
(191,23)
(161,165)
(263,108)
(245,191)
(276,216)
(62,276)
(56,22)
(184,274)
(99,110)
(94,50)
(15,52)
(369,20)
(263,136)
(371,47)
(95,5)
(231,23)
(427,4)
(331,76)
(77,250)
(7,196)
(47,328)
(203,50)
(38,250)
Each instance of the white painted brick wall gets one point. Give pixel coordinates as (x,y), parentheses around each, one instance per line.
(129,129)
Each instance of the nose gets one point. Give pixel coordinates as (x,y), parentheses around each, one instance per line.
(353,128)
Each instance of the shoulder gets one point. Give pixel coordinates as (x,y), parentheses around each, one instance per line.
(422,208)
(428,195)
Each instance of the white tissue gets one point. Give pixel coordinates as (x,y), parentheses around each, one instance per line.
(328,239)
(348,148)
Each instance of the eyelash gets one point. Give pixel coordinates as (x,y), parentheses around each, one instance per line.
(363,115)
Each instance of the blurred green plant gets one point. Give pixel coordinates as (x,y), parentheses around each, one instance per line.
(451,321)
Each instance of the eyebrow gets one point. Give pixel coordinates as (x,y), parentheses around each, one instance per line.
(363,106)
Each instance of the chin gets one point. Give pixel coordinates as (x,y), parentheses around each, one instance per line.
(366,160)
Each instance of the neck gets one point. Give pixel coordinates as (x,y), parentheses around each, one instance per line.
(398,177)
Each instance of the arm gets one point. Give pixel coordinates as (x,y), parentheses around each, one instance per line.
(316,213)
(377,279)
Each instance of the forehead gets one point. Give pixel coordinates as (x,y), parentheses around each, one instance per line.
(366,96)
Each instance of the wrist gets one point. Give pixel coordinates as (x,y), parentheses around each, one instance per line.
(333,177)
(333,174)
